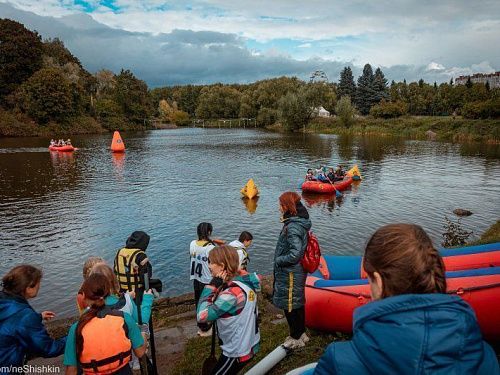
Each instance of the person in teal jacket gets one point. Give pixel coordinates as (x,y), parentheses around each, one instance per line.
(22,333)
(412,326)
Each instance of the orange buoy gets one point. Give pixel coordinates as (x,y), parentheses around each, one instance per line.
(117,144)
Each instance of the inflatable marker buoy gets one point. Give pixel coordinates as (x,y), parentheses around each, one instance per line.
(354,173)
(250,190)
(117,144)
(269,361)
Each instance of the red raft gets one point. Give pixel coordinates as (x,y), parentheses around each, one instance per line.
(319,187)
(67,148)
(339,286)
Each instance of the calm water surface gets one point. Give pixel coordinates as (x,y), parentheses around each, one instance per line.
(58,209)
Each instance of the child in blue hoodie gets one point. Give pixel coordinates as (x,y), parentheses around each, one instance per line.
(22,332)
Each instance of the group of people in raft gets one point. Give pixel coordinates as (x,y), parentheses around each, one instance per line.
(411,326)
(60,142)
(325,174)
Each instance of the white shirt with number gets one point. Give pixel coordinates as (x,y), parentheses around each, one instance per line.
(198,251)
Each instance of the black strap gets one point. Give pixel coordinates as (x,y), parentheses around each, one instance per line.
(94,365)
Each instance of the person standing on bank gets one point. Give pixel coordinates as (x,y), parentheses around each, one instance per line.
(22,332)
(289,275)
(131,263)
(199,271)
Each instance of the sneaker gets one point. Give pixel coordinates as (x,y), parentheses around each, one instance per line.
(291,343)
(136,364)
(205,333)
(304,338)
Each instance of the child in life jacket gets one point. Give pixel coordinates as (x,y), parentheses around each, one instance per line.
(241,245)
(103,339)
(230,301)
(310,175)
(21,328)
(125,301)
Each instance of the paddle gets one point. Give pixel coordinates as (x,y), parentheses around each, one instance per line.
(338,194)
(210,362)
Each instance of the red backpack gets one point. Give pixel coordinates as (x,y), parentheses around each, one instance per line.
(312,255)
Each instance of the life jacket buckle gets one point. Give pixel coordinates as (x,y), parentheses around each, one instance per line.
(460,291)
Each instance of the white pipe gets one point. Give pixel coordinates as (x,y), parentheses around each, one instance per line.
(269,361)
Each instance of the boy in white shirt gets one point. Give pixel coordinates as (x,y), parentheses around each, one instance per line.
(241,245)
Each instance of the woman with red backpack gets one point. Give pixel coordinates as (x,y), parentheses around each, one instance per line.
(289,274)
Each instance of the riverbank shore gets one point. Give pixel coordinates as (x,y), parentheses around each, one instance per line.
(441,128)
(180,351)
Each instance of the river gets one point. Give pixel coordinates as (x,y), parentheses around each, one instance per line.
(56,209)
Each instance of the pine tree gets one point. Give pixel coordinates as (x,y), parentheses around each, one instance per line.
(487,84)
(346,86)
(468,84)
(451,81)
(380,86)
(365,93)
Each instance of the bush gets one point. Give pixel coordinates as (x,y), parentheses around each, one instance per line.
(345,111)
(389,109)
(482,110)
(181,118)
(267,116)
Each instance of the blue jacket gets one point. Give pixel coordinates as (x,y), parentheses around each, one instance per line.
(412,334)
(22,333)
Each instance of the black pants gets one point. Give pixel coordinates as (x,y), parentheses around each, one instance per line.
(198,288)
(296,322)
(228,366)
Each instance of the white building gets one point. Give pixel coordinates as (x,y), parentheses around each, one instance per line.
(321,112)
(493,79)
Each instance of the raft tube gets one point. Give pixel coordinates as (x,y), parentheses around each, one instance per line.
(340,285)
(67,148)
(319,187)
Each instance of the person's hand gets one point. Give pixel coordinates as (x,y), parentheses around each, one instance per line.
(218,241)
(47,315)
(222,275)
(149,291)
(131,293)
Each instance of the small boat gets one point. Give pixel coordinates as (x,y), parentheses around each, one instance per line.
(250,190)
(326,187)
(66,148)
(340,285)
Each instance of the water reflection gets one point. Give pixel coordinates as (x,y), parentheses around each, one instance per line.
(328,201)
(250,204)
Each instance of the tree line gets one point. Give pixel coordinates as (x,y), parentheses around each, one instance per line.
(42,82)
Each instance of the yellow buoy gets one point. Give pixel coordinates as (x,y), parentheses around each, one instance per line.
(354,173)
(250,189)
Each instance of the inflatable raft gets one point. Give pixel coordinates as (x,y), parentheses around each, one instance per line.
(67,148)
(319,187)
(340,285)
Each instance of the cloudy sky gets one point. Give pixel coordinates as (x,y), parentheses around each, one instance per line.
(180,42)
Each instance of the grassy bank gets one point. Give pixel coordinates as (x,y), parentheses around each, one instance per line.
(415,127)
(491,235)
(20,125)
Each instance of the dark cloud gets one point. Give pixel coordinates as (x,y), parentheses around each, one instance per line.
(183,56)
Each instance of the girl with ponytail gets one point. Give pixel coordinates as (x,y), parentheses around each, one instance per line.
(412,326)
(102,341)
(21,329)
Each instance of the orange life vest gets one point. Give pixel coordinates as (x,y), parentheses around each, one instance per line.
(106,346)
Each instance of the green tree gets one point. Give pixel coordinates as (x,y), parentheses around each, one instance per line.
(365,93)
(217,102)
(20,55)
(468,84)
(294,111)
(380,86)
(47,96)
(389,109)
(133,97)
(346,84)
(345,111)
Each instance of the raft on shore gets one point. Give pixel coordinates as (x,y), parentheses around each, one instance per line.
(340,285)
